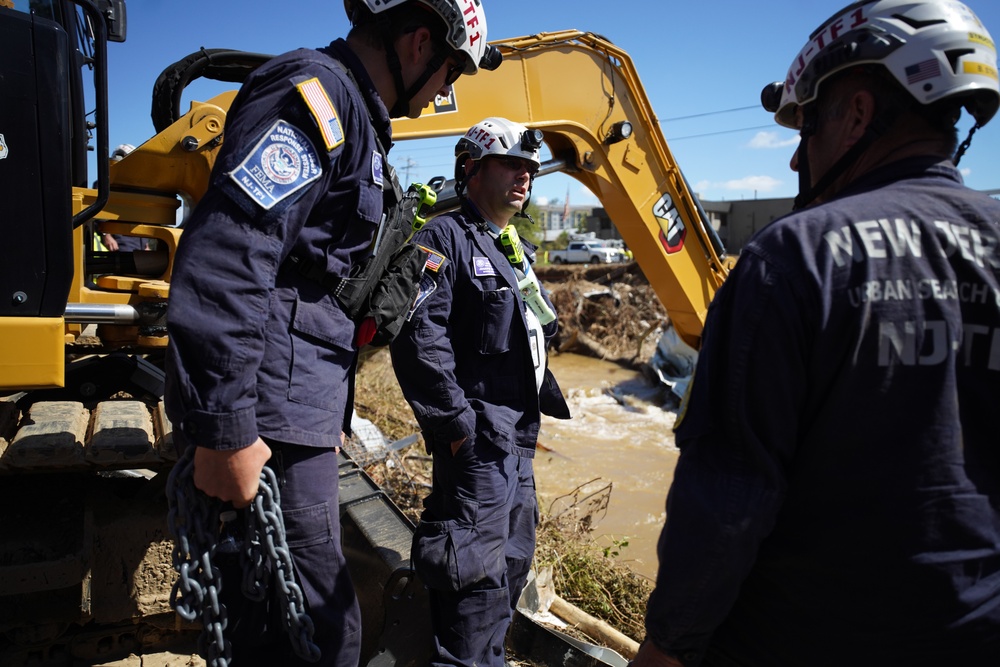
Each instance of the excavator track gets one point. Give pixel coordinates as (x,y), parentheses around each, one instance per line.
(70,436)
(85,564)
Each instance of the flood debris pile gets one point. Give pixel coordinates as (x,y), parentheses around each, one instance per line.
(605,311)
(593,577)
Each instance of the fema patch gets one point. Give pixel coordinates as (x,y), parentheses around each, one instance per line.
(481,266)
(283,162)
(377,169)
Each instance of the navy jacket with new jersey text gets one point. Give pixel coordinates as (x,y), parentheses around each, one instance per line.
(837,498)
(463,359)
(257,350)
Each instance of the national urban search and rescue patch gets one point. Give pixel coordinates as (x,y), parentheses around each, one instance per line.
(283,162)
(435,260)
(324,114)
(427,287)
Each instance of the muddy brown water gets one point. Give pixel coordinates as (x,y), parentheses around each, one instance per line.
(621,435)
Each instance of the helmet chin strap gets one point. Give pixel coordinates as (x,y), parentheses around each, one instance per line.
(461,178)
(403,96)
(810,118)
(523,213)
(810,125)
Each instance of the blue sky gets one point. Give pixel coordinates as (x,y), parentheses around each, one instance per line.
(702,64)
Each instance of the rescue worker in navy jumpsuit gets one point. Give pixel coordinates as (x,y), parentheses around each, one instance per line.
(471,363)
(837,497)
(261,357)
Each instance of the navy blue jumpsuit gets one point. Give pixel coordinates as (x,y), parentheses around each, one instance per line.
(257,349)
(837,497)
(465,365)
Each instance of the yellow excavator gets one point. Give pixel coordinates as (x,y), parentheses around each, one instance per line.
(85,554)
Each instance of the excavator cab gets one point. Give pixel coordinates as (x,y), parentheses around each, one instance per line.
(44,141)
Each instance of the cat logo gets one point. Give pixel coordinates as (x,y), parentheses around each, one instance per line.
(673,231)
(3,148)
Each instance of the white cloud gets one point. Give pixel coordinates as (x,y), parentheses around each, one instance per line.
(769,140)
(752,186)
(966,172)
(755,183)
(583,195)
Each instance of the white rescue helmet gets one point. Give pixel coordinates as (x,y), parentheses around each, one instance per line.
(497,137)
(465,20)
(936,49)
(500,137)
(121,151)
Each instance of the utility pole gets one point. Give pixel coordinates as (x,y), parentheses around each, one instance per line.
(410,165)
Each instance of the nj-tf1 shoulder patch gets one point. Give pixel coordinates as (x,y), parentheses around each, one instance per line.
(435,260)
(323,112)
(283,162)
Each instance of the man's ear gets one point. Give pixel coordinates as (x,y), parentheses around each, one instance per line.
(470,164)
(414,46)
(861,113)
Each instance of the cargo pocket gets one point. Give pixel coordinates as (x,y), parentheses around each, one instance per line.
(322,351)
(308,526)
(499,311)
(446,554)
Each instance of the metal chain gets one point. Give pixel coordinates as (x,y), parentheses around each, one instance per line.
(270,523)
(965,145)
(194,519)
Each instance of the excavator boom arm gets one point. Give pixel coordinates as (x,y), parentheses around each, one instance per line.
(585,95)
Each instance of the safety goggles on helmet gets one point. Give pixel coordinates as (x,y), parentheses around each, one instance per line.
(466,28)
(936,49)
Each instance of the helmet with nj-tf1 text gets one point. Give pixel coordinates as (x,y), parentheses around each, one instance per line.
(465,21)
(938,50)
(499,137)
(496,137)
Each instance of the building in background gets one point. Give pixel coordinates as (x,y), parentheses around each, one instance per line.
(556,218)
(735,221)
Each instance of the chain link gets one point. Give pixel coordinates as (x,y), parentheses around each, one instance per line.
(965,144)
(194,519)
(269,522)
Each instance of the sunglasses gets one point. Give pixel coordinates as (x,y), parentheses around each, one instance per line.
(455,70)
(514,163)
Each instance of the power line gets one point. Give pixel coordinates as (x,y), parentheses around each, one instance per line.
(413,147)
(712,134)
(708,113)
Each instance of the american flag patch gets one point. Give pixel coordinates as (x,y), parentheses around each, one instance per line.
(923,71)
(435,260)
(319,104)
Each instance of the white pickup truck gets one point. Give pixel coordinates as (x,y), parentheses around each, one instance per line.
(593,252)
